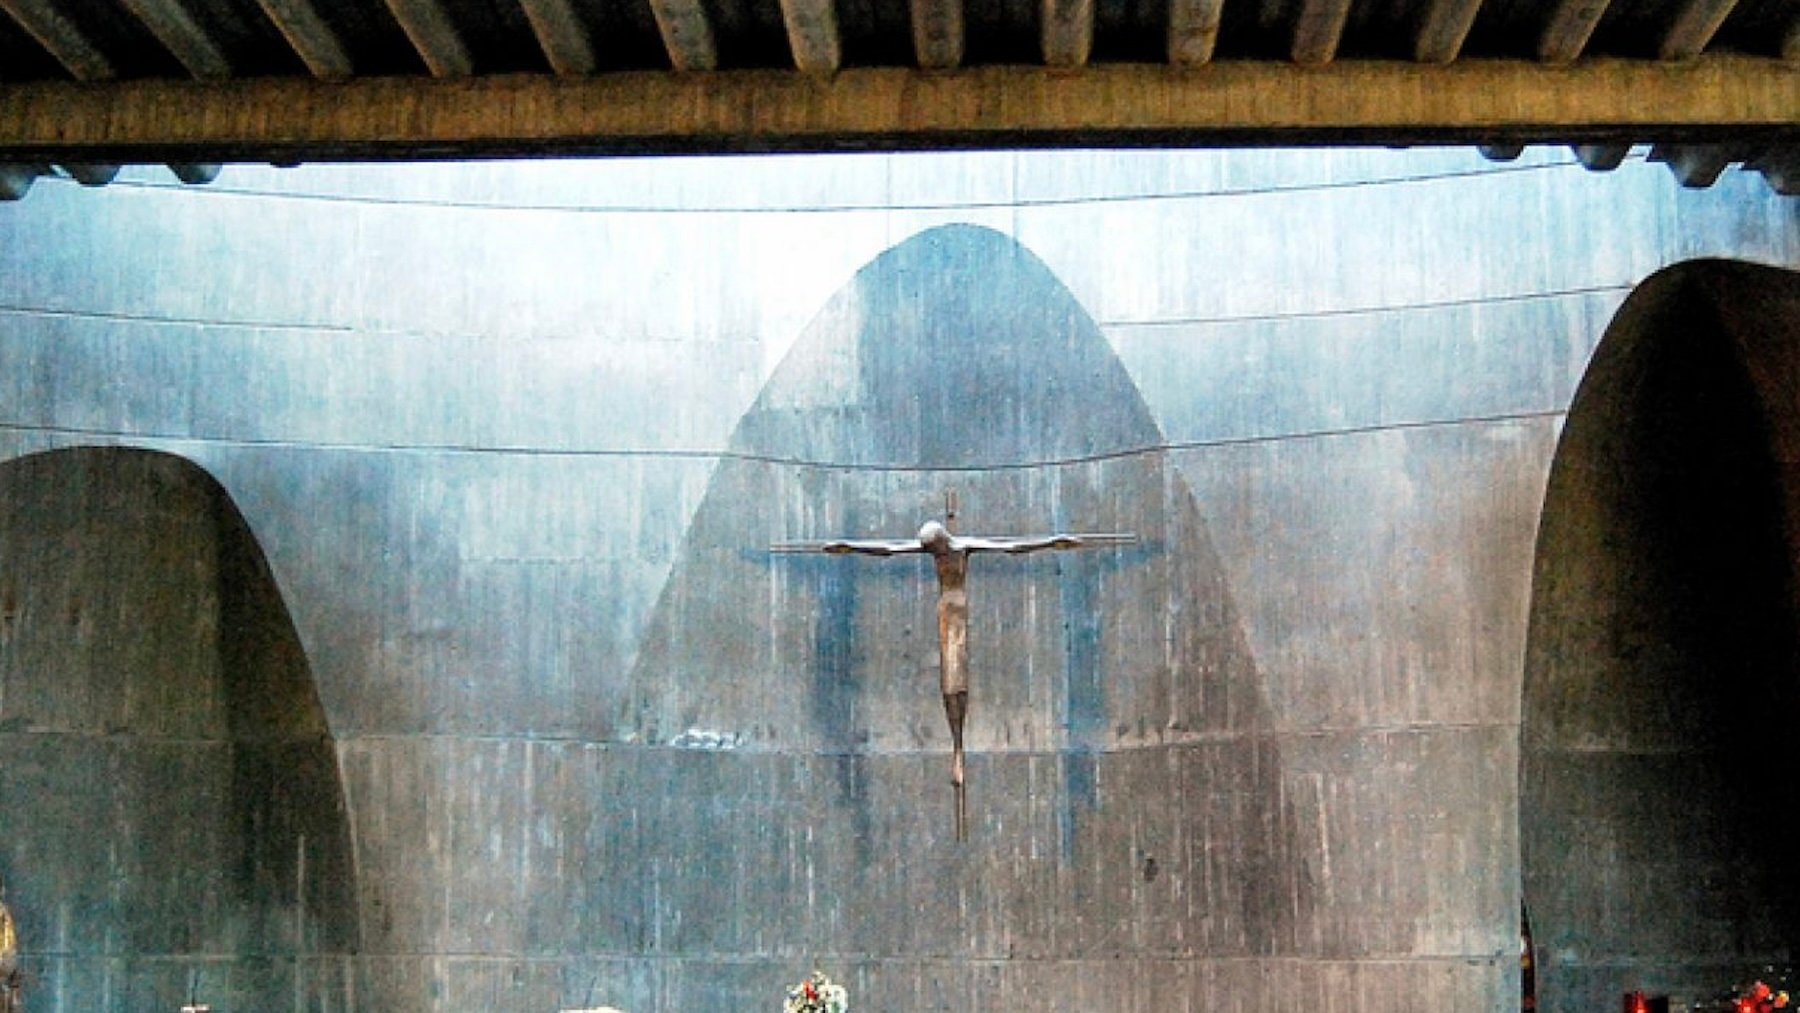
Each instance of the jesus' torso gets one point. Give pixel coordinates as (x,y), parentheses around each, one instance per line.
(953,621)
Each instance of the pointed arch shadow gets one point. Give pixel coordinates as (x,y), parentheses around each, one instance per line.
(1658,802)
(174,818)
(1121,771)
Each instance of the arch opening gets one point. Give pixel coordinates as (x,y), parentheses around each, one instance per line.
(174,820)
(1657,796)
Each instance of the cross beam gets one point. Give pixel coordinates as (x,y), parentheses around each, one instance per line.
(1711,98)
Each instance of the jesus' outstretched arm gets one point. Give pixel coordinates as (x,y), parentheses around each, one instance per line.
(845,546)
(1035,543)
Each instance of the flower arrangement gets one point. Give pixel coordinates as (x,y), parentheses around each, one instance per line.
(1757,997)
(817,994)
(1760,999)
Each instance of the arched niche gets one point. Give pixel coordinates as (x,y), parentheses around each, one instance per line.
(172,820)
(1120,768)
(1657,798)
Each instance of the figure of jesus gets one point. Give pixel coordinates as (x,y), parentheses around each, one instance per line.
(950,554)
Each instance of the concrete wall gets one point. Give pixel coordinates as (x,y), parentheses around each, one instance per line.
(513,438)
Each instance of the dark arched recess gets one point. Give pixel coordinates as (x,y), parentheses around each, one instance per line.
(1657,799)
(172,820)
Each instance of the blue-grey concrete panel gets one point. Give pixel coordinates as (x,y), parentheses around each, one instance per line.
(1410,613)
(160,253)
(480,418)
(1240,380)
(1394,244)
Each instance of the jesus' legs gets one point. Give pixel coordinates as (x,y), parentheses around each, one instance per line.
(956,708)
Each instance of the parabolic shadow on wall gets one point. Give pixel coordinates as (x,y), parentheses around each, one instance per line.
(1658,803)
(1119,774)
(172,820)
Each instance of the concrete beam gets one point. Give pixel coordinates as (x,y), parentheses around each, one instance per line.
(195,173)
(428,26)
(1784,179)
(1571,24)
(812,32)
(91,174)
(1443,30)
(1780,166)
(686,34)
(1696,166)
(1319,29)
(1068,31)
(16,180)
(937,30)
(1694,26)
(1193,30)
(61,39)
(1710,99)
(560,35)
(1601,157)
(185,38)
(312,39)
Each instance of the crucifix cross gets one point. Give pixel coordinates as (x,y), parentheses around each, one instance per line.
(950,553)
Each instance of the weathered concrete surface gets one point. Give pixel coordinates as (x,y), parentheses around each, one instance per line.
(173,816)
(957,360)
(1658,798)
(484,421)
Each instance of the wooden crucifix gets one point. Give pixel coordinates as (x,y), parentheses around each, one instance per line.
(950,552)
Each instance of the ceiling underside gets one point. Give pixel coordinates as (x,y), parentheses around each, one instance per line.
(86,85)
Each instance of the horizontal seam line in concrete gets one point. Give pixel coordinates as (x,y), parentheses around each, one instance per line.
(13,309)
(113,316)
(761,751)
(1644,752)
(1196,739)
(1358,311)
(357,330)
(1167,447)
(153,738)
(1103,956)
(855,208)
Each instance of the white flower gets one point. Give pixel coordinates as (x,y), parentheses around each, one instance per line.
(817,994)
